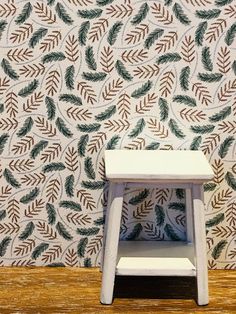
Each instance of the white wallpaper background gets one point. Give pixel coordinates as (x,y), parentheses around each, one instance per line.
(79,76)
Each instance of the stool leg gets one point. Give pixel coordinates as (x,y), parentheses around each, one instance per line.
(109,201)
(200,244)
(189,216)
(111,248)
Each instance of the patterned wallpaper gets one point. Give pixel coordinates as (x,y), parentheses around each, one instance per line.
(79,76)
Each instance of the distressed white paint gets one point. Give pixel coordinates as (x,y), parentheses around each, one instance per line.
(157,165)
(112,239)
(150,166)
(153,266)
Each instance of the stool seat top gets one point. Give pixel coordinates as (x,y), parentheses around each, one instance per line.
(151,165)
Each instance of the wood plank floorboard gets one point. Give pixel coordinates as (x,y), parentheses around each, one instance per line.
(52,290)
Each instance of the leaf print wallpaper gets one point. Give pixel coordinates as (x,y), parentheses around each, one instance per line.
(79,76)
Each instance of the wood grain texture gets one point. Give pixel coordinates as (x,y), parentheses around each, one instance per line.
(26,290)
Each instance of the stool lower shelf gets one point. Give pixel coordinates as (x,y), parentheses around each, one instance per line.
(155,258)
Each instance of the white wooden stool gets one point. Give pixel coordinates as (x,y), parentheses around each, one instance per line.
(173,169)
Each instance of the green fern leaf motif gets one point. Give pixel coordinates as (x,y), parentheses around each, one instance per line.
(160,215)
(53,166)
(111,144)
(82,145)
(55,265)
(225,146)
(50,2)
(104,2)
(138,128)
(196,143)
(88,128)
(202,129)
(180,193)
(1,108)
(221,115)
(3,139)
(51,107)
(62,14)
(26,128)
(164,109)
(234,67)
(94,77)
(152,146)
(37,36)
(53,56)
(8,70)
(3,25)
(206,59)
(215,220)
(137,199)
(69,185)
(169,57)
(29,89)
(87,260)
(29,228)
(209,187)
(83,31)
(25,13)
(230,179)
(4,245)
(93,185)
(71,205)
(10,178)
(3,214)
(88,231)
(90,14)
(62,128)
(75,100)
(113,33)
(38,148)
(39,250)
(218,249)
(171,233)
(210,77)
(63,232)
(141,15)
(208,14)
(100,221)
(121,70)
(89,58)
(152,37)
(134,234)
(177,206)
(89,168)
(180,15)
(143,90)
(30,196)
(230,34)
(199,34)
(69,77)
(110,111)
(81,248)
(51,211)
(174,128)
(184,78)
(184,99)
(221,3)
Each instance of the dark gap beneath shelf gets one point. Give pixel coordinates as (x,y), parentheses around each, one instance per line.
(155,287)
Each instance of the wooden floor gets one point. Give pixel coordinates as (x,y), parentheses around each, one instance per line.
(76,290)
